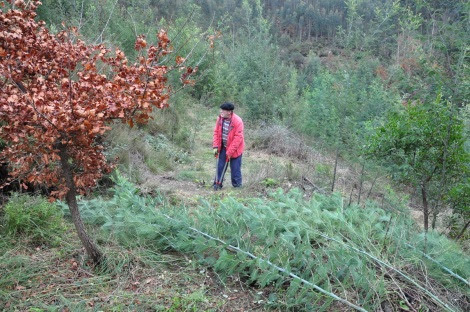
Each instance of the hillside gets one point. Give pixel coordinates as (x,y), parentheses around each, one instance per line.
(356,168)
(151,265)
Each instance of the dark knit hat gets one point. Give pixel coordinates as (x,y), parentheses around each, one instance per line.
(227,106)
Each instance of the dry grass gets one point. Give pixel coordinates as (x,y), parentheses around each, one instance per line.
(278,140)
(136,279)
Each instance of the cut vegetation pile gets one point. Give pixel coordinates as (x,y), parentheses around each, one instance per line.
(310,255)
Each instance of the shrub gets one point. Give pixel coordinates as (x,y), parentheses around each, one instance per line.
(34,217)
(280,141)
(323,170)
(269,182)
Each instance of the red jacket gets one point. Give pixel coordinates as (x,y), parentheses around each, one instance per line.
(235,139)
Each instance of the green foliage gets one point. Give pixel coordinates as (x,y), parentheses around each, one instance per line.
(459,200)
(292,172)
(33,217)
(423,146)
(420,142)
(311,69)
(269,182)
(15,270)
(252,74)
(188,175)
(187,303)
(138,278)
(323,170)
(130,217)
(338,106)
(459,197)
(175,122)
(314,239)
(107,21)
(246,68)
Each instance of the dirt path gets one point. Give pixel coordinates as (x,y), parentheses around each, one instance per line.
(193,179)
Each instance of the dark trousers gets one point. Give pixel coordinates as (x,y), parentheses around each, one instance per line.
(235,168)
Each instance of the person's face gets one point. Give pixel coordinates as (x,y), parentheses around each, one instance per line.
(225,113)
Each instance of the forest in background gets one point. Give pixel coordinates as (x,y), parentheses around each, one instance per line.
(383,85)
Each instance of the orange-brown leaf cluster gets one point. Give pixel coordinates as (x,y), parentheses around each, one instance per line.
(212,39)
(56,90)
(188,72)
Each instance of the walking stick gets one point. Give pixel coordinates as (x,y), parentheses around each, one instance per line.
(218,183)
(216,155)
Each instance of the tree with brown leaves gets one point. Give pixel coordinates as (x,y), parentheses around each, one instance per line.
(60,94)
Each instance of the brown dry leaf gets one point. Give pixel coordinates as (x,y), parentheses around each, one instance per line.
(179,60)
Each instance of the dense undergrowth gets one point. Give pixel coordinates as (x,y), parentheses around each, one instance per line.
(366,256)
(43,268)
(32,218)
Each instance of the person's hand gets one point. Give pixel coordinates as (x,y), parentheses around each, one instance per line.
(227,158)
(216,151)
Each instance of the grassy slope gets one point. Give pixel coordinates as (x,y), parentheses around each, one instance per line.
(137,278)
(58,278)
(41,278)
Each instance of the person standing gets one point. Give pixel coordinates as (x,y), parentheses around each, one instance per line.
(229,142)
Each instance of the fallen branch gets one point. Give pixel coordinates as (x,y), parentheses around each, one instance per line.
(442,266)
(314,186)
(236,249)
(430,294)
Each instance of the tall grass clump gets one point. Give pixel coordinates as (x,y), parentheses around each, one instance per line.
(177,122)
(138,151)
(312,254)
(33,218)
(279,140)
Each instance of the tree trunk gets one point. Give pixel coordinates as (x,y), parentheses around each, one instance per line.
(463,230)
(334,171)
(435,213)
(361,180)
(443,179)
(350,194)
(309,29)
(71,198)
(372,186)
(425,207)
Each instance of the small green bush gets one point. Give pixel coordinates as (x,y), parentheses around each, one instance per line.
(323,170)
(34,217)
(269,182)
(292,172)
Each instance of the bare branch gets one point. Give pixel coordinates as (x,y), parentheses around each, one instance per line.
(133,23)
(81,17)
(106,25)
